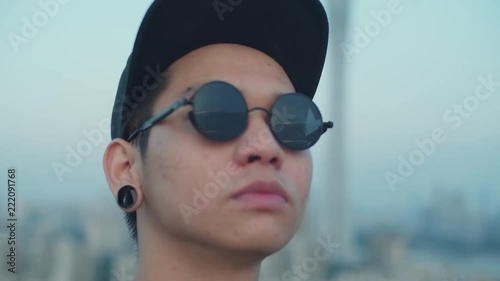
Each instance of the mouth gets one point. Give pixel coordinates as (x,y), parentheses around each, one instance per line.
(263,195)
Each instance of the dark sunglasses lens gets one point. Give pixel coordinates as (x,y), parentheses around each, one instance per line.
(296,121)
(219,111)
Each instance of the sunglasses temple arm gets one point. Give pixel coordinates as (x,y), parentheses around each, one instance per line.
(327,125)
(149,123)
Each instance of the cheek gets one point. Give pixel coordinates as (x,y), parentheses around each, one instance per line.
(174,170)
(302,175)
(164,161)
(168,174)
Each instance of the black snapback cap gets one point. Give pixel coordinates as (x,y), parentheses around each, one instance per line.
(292,32)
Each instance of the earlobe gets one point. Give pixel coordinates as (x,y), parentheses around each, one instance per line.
(122,169)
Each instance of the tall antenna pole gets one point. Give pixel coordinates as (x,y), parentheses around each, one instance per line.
(334,213)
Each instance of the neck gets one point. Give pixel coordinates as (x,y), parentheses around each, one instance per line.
(164,257)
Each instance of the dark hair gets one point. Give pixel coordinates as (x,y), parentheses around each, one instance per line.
(143,112)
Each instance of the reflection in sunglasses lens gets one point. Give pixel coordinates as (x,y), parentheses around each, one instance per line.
(296,121)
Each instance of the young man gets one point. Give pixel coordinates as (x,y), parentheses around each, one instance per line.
(211,128)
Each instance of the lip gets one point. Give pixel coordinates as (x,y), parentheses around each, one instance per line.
(261,194)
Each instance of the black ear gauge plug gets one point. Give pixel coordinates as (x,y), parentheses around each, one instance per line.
(125,198)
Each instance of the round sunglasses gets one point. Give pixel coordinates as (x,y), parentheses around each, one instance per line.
(220,113)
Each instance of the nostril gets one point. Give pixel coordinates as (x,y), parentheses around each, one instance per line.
(252,158)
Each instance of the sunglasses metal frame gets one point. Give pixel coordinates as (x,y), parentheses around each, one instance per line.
(184,101)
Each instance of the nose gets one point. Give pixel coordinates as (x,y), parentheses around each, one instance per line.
(257,144)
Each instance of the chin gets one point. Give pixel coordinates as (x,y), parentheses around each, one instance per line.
(266,247)
(265,238)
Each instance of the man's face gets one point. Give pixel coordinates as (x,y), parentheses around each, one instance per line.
(189,181)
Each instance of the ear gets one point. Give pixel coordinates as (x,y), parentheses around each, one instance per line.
(122,166)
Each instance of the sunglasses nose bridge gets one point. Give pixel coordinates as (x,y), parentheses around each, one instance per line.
(269,114)
(260,108)
(262,126)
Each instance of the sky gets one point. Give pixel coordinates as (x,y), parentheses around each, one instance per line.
(408,64)
(427,59)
